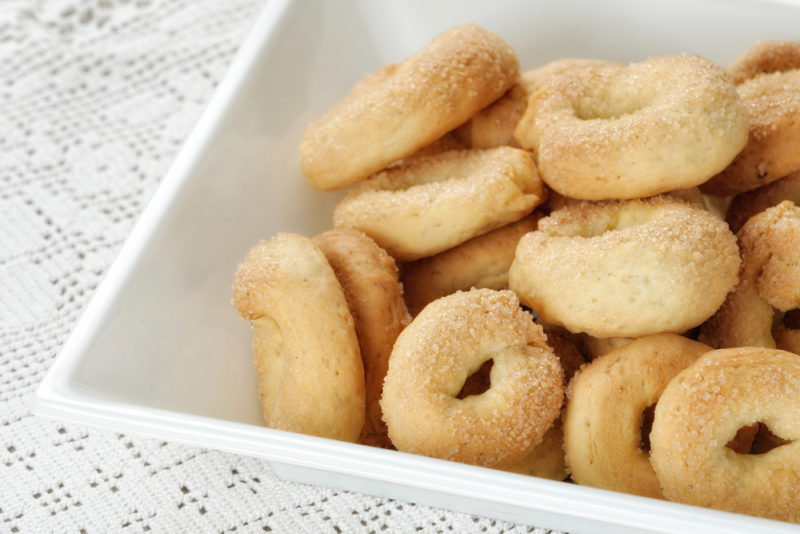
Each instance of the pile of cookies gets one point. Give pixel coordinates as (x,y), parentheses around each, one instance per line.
(537,271)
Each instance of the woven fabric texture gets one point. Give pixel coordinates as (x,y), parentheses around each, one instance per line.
(96,97)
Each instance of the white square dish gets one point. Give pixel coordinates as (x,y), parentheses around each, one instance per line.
(161,351)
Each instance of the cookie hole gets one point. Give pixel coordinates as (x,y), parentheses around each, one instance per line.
(756,439)
(607,108)
(743,439)
(646,427)
(765,440)
(478,382)
(791,319)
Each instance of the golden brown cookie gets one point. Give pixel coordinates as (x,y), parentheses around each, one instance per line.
(773,107)
(401,108)
(704,406)
(765,57)
(432,359)
(613,132)
(626,268)
(769,284)
(432,204)
(606,402)
(311,379)
(368,276)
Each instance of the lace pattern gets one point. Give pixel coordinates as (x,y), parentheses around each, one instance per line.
(95,98)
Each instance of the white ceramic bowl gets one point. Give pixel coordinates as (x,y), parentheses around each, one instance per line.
(161,351)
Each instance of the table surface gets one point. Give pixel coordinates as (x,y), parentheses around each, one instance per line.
(96,97)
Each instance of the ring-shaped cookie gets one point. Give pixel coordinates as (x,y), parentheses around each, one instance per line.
(433,357)
(432,204)
(769,283)
(606,402)
(368,276)
(773,107)
(626,268)
(704,406)
(401,108)
(765,57)
(611,132)
(310,375)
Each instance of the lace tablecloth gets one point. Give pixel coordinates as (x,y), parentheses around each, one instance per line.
(96,97)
